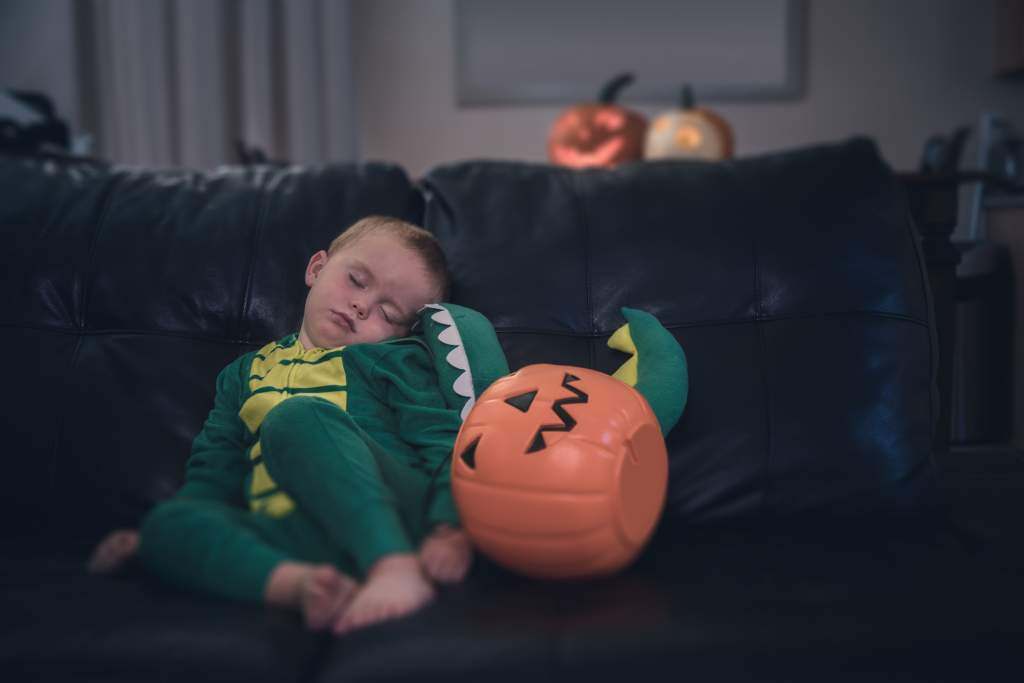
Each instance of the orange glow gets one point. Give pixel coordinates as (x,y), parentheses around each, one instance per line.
(610,119)
(602,155)
(596,135)
(689,137)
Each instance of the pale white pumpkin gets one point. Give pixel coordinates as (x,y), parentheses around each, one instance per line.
(689,133)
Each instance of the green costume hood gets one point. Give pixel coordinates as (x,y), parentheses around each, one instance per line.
(467,355)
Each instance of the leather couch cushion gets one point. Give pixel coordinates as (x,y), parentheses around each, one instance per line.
(61,624)
(794,282)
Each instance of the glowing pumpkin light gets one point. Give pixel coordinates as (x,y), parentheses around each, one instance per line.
(690,132)
(598,133)
(560,472)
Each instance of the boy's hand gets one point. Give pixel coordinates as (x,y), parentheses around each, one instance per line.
(113,551)
(446,554)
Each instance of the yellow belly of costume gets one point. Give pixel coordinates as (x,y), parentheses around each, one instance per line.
(278,374)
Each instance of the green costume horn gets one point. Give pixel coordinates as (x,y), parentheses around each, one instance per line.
(657,368)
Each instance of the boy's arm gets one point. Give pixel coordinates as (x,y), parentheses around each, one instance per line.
(424,421)
(217,465)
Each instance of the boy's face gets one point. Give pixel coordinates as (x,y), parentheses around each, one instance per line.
(365,292)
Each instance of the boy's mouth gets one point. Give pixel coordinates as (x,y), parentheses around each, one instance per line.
(343,319)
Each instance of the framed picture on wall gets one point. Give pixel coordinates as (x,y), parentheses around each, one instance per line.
(533,52)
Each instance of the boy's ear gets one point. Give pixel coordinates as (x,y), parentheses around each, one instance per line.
(316,264)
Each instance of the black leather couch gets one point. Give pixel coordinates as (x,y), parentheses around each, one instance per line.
(815,528)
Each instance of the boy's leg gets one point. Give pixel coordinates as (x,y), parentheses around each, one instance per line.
(317,454)
(219,549)
(209,546)
(368,504)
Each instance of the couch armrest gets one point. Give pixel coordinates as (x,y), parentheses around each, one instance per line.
(933,206)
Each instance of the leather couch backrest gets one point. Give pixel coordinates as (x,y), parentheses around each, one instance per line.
(793,281)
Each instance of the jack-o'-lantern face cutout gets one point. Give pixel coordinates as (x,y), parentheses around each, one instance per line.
(526,417)
(521,421)
(559,471)
(598,134)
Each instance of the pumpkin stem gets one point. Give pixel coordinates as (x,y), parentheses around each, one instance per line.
(686,98)
(610,91)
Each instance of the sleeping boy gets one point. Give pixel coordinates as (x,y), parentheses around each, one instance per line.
(319,480)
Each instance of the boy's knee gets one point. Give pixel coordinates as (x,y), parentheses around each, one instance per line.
(298,415)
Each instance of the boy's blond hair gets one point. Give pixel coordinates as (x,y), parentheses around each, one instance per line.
(415,238)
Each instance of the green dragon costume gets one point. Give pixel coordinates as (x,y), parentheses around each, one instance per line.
(342,455)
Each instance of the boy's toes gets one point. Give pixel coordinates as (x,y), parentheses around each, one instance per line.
(380,599)
(113,551)
(326,593)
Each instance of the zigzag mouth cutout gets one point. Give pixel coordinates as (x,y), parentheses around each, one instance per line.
(568,421)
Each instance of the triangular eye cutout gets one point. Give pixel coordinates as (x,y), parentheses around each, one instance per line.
(469,455)
(569,377)
(538,443)
(522,402)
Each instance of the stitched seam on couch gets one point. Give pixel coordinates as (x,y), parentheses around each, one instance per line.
(87,276)
(261,213)
(764,480)
(80,322)
(929,299)
(124,331)
(721,323)
(571,180)
(505,330)
(58,436)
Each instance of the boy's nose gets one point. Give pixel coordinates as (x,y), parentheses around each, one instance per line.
(359,309)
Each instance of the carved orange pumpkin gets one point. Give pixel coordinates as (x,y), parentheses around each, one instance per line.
(560,472)
(598,133)
(689,133)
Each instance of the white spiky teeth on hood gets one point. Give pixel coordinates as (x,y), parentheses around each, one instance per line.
(463,384)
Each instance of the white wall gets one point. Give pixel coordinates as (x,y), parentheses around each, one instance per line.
(897,71)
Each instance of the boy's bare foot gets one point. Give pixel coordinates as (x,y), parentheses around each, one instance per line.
(326,593)
(113,551)
(446,554)
(395,586)
(319,591)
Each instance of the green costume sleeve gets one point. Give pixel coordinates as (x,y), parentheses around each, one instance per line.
(425,422)
(218,465)
(196,538)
